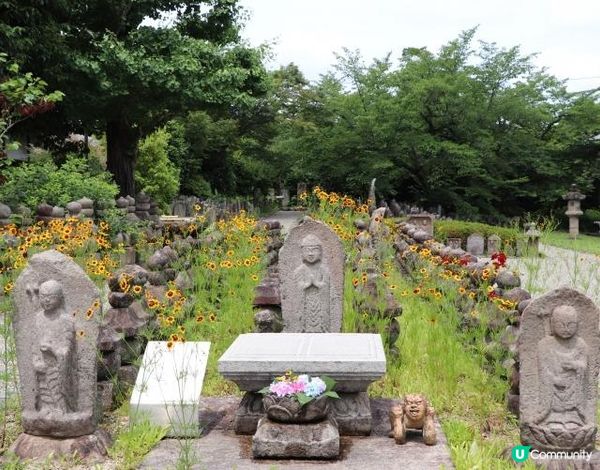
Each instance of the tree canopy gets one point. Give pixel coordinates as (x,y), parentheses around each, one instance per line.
(125,75)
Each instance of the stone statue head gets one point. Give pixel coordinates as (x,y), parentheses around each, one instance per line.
(564,321)
(51,295)
(312,249)
(415,406)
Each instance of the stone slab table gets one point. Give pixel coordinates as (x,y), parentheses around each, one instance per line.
(168,386)
(353,360)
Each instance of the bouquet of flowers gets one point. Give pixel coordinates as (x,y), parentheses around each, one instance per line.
(303,388)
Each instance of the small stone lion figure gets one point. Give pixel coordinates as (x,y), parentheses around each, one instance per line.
(413,413)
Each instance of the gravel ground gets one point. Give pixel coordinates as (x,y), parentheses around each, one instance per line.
(559,267)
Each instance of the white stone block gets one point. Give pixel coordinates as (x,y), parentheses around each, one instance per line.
(168,386)
(354,360)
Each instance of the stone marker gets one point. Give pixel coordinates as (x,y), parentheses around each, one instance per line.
(311,267)
(454,243)
(56,328)
(376,223)
(559,350)
(168,386)
(475,243)
(353,360)
(493,244)
(574,198)
(422,221)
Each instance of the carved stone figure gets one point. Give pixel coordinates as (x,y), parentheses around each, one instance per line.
(312,277)
(563,362)
(56,324)
(413,413)
(53,359)
(311,273)
(559,346)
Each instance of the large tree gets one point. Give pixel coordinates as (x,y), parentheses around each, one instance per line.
(128,66)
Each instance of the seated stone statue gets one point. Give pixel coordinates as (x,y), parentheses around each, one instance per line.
(563,365)
(413,413)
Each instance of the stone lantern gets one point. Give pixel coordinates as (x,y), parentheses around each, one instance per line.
(574,198)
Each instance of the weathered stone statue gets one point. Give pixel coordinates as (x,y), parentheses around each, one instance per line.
(563,363)
(56,325)
(311,270)
(559,350)
(54,357)
(312,277)
(413,413)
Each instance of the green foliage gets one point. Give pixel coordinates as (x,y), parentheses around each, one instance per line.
(22,96)
(41,180)
(587,220)
(477,129)
(155,174)
(127,78)
(444,229)
(132,445)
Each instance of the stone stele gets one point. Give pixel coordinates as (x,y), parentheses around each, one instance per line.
(559,350)
(56,327)
(311,267)
(475,244)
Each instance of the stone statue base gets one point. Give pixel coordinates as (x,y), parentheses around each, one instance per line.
(352,413)
(91,447)
(58,425)
(296,441)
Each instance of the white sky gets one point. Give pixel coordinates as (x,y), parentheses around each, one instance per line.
(565,33)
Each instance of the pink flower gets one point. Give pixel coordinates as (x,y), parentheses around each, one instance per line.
(282,389)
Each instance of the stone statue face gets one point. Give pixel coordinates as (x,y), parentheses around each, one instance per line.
(311,253)
(51,295)
(415,407)
(564,321)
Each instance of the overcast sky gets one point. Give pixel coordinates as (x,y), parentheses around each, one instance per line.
(565,33)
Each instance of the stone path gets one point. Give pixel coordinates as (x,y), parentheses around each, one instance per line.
(220,449)
(287,219)
(559,267)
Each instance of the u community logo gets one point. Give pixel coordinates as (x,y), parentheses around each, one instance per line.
(520,453)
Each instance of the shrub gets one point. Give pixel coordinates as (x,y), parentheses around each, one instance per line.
(41,180)
(155,174)
(444,229)
(588,218)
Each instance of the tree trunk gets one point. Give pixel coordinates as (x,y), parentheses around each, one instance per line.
(121,143)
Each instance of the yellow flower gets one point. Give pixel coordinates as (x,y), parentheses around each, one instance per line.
(254,277)
(404,293)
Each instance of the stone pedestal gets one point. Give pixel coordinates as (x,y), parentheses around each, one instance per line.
(91,447)
(353,360)
(297,441)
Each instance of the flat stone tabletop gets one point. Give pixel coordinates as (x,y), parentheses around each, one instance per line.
(353,360)
(220,449)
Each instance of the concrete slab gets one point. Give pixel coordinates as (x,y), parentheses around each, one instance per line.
(354,360)
(220,449)
(168,386)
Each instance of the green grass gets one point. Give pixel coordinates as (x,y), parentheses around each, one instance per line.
(583,243)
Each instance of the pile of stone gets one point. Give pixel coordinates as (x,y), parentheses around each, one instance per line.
(267,298)
(374,292)
(160,270)
(505,324)
(5,213)
(127,318)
